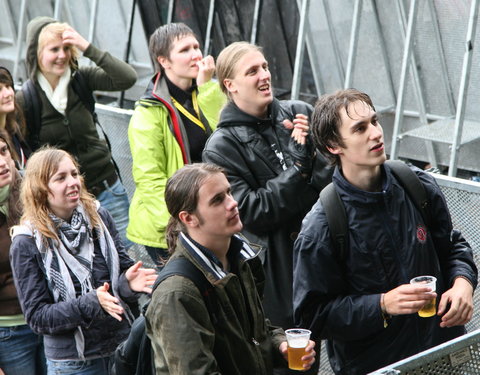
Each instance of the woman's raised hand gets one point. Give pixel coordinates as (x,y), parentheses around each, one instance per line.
(71,37)
(140,279)
(206,69)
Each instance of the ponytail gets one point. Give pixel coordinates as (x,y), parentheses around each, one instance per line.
(174,227)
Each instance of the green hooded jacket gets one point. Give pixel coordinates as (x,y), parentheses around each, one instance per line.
(157,153)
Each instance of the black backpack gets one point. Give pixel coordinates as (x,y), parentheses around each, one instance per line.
(33,110)
(337,217)
(135,355)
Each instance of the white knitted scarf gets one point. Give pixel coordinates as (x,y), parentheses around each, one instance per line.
(59,96)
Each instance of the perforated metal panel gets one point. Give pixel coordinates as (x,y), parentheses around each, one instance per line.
(457,357)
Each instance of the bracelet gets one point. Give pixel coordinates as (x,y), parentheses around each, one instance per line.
(386,317)
(382,304)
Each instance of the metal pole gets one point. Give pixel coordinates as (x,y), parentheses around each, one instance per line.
(312,54)
(92,22)
(413,65)
(438,40)
(352,51)
(403,77)
(21,21)
(296,81)
(383,49)
(57,9)
(256,13)
(129,43)
(333,37)
(208,32)
(171,5)
(462,92)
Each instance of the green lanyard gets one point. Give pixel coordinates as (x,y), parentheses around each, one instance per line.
(192,118)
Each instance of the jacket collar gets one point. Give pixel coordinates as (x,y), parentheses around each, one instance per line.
(239,251)
(232,115)
(352,193)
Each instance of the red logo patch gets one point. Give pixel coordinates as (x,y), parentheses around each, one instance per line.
(421,234)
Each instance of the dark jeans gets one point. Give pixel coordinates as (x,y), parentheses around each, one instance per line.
(159,256)
(21,351)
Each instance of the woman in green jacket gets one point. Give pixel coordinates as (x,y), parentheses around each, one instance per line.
(169,128)
(66,123)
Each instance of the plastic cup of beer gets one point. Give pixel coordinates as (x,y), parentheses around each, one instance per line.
(430,308)
(297,340)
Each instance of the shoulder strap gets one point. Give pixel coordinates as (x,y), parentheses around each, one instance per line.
(336,218)
(81,88)
(335,209)
(33,113)
(414,187)
(182,266)
(85,93)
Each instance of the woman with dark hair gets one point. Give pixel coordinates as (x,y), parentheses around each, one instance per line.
(11,120)
(76,283)
(21,350)
(169,128)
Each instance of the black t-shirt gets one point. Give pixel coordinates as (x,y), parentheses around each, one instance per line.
(195,134)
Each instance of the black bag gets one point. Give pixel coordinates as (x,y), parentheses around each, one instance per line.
(135,355)
(335,210)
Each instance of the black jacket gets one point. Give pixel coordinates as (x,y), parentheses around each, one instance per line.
(272,200)
(339,299)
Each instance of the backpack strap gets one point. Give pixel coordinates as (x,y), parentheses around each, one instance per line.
(336,218)
(33,113)
(85,93)
(414,187)
(183,267)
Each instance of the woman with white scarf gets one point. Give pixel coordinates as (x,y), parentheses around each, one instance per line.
(76,283)
(53,50)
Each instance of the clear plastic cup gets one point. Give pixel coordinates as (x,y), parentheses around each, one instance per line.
(297,339)
(430,308)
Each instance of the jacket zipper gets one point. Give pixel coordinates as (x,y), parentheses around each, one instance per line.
(66,122)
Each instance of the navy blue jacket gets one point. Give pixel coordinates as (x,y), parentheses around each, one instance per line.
(58,321)
(339,299)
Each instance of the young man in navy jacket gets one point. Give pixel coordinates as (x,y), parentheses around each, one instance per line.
(361,302)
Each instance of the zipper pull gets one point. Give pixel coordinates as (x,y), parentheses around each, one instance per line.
(255,341)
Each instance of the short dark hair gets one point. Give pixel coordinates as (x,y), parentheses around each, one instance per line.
(326,120)
(162,39)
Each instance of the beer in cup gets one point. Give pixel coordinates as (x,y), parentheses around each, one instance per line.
(430,308)
(297,340)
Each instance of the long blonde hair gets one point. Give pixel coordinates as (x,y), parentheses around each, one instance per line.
(228,59)
(50,32)
(41,166)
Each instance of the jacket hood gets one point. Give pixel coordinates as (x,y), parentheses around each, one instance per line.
(232,115)
(34,28)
